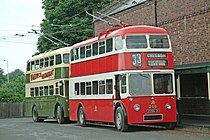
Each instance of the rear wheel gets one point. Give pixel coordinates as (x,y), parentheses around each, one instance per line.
(81,117)
(120,120)
(60,115)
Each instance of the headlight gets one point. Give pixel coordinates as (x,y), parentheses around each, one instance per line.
(136,107)
(168,106)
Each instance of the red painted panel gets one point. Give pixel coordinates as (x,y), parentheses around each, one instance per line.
(103,110)
(117,62)
(151,104)
(95,110)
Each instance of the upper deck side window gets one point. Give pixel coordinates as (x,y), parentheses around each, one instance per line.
(159,41)
(51,60)
(118,43)
(109,45)
(58,59)
(66,58)
(136,41)
(94,49)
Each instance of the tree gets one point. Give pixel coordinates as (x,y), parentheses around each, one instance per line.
(14,91)
(14,74)
(67,12)
(2,77)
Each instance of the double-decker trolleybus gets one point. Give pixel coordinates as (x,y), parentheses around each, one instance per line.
(124,76)
(47,85)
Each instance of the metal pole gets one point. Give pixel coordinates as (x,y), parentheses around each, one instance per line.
(155,10)
(7,71)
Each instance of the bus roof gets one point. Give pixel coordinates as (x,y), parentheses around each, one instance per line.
(50,53)
(138,29)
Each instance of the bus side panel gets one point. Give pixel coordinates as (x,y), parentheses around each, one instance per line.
(95,110)
(117,62)
(152,109)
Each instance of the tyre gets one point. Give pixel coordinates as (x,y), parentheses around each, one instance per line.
(81,117)
(35,115)
(120,120)
(59,115)
(170,126)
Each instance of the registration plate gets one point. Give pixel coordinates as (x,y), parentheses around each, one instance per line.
(153,110)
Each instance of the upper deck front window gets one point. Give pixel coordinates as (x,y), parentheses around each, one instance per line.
(136,41)
(158,41)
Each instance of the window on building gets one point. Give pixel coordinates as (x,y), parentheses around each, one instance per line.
(88,88)
(82,88)
(58,59)
(109,45)
(101,47)
(136,41)
(95,87)
(95,49)
(51,60)
(82,52)
(88,50)
(101,87)
(118,43)
(66,58)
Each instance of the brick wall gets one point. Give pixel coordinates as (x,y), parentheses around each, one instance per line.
(187,21)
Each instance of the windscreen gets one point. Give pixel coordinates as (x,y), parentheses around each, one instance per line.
(140,84)
(163,83)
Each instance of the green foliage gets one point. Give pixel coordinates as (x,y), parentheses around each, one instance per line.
(2,77)
(68,12)
(13,91)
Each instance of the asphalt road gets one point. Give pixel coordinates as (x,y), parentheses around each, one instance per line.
(26,129)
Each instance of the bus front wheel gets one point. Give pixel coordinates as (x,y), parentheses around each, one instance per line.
(170,126)
(81,117)
(59,115)
(35,115)
(120,120)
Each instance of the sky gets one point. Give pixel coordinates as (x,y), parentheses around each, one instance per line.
(17,18)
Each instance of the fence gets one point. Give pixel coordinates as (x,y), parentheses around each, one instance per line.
(11,110)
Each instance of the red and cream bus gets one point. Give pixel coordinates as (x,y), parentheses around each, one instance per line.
(124,76)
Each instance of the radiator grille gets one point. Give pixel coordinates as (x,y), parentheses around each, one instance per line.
(153,117)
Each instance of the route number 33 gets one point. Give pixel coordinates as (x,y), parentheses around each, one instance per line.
(136,59)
